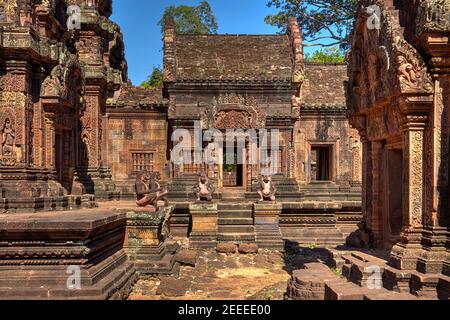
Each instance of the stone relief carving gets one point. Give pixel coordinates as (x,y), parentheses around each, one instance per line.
(233,120)
(433,15)
(8,138)
(233,111)
(411,69)
(383,65)
(416,140)
(65,80)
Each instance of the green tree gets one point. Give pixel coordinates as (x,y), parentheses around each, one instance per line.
(326,55)
(155,80)
(325,23)
(191,19)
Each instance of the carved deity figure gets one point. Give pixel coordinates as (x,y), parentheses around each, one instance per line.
(203,190)
(406,71)
(149,191)
(8,138)
(266,189)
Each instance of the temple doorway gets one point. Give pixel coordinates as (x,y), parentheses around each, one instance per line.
(394,191)
(64,159)
(233,173)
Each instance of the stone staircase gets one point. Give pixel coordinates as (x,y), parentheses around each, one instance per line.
(236,223)
(232,195)
(358,269)
(361,279)
(329,191)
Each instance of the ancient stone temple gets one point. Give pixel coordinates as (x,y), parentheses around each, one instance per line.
(342,164)
(398,98)
(54,86)
(251,84)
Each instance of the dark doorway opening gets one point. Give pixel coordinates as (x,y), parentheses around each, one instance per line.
(321,163)
(233,172)
(239,175)
(395,193)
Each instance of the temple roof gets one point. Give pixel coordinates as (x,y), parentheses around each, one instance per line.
(324,85)
(233,58)
(130,96)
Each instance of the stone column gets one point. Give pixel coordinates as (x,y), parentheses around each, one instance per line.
(267,226)
(204,225)
(404,255)
(436,209)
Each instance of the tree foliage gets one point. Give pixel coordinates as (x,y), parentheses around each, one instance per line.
(326,55)
(155,80)
(325,23)
(191,19)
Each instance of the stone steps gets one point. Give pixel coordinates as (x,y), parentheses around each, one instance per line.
(236,238)
(235,222)
(233,195)
(223,221)
(317,282)
(239,229)
(362,269)
(341,290)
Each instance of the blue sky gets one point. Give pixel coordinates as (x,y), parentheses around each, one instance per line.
(138,21)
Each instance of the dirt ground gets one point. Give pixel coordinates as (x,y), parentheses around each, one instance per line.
(216,276)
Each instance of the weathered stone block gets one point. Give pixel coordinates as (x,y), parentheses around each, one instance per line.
(145,241)
(187,257)
(53,246)
(247,248)
(226,247)
(204,225)
(267,225)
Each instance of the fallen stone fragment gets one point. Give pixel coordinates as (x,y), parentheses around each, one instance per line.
(170,287)
(247,248)
(187,257)
(226,247)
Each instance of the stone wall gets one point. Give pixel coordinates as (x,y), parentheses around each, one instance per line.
(136,136)
(139,142)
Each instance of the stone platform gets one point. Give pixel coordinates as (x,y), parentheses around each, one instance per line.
(145,241)
(304,223)
(43,255)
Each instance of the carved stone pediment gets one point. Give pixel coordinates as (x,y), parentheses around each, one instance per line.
(232,111)
(382,64)
(65,82)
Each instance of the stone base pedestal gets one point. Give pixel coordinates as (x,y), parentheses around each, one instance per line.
(405,255)
(145,241)
(434,254)
(204,225)
(267,226)
(97,181)
(180,221)
(68,256)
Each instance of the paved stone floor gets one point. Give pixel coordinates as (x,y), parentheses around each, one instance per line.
(218,276)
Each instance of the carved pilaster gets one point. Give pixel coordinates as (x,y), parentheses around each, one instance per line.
(413,172)
(49,129)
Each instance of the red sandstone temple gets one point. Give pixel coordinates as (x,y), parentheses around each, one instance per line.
(75,134)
